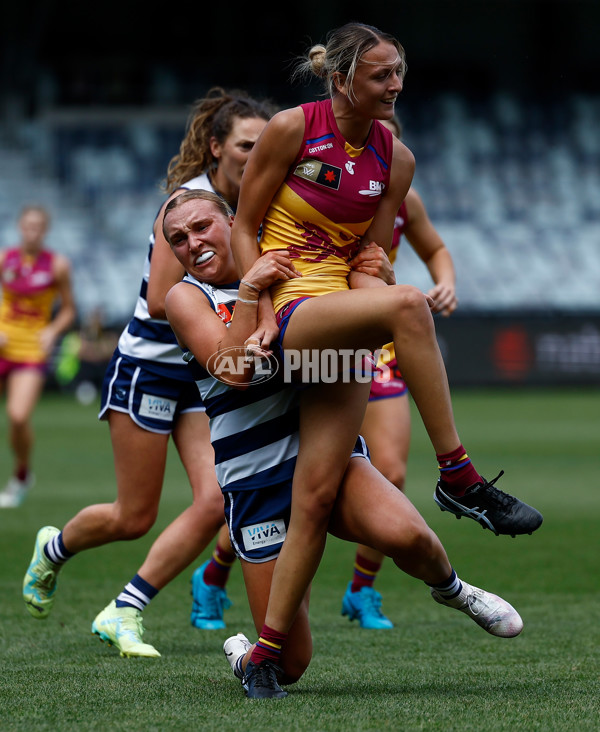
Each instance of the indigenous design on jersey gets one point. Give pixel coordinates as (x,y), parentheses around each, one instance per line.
(151,341)
(326,203)
(28,294)
(254,432)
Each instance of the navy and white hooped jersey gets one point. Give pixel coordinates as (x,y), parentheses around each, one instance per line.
(150,341)
(254,432)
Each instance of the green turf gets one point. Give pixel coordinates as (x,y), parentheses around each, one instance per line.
(436,670)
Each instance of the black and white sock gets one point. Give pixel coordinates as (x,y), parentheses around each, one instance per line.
(450,589)
(136,593)
(56,551)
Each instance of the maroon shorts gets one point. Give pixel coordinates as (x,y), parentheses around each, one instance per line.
(8,367)
(387,382)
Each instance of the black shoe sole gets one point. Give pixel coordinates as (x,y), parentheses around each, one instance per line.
(484,524)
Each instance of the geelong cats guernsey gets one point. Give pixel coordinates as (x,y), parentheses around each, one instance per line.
(254,432)
(151,341)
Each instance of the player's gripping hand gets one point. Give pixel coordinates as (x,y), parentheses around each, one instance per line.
(270,267)
(372,260)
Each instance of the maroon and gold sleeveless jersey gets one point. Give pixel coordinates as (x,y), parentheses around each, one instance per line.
(399,226)
(388,356)
(28,294)
(326,203)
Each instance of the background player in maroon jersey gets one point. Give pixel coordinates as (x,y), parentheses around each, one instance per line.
(386,425)
(34,279)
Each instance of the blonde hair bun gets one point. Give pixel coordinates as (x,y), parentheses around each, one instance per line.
(316,56)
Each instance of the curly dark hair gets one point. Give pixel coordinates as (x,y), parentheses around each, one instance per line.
(212,116)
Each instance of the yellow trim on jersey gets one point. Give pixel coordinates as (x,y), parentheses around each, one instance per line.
(353,152)
(22,318)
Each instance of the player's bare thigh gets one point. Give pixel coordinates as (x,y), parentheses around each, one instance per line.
(370,510)
(191,436)
(386,429)
(140,458)
(330,417)
(352,318)
(23,389)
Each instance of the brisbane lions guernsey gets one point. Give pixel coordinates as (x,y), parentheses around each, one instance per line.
(399,226)
(388,356)
(28,294)
(326,203)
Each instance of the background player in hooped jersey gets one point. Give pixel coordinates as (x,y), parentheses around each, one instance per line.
(149,396)
(323,179)
(34,280)
(254,424)
(386,426)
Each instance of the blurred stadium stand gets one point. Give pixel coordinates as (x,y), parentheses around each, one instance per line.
(99,174)
(512,186)
(514,189)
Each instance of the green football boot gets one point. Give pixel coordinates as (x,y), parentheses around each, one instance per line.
(122,627)
(39,584)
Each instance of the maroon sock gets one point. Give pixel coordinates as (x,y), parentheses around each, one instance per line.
(365,573)
(217,570)
(268,646)
(22,474)
(457,472)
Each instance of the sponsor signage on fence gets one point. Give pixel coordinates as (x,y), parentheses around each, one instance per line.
(481,349)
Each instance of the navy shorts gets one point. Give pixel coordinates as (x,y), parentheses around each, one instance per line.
(258,519)
(152,401)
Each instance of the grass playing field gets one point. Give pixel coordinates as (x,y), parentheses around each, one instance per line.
(435,670)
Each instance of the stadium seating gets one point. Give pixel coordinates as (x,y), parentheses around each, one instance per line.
(513,187)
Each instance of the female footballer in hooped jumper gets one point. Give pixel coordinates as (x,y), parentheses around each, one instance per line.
(256,433)
(324,183)
(147,370)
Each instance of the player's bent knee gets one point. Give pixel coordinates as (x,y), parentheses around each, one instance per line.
(315,509)
(408,296)
(129,528)
(294,668)
(413,538)
(208,514)
(395,472)
(410,303)
(135,532)
(287,679)
(18,420)
(425,544)
(315,494)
